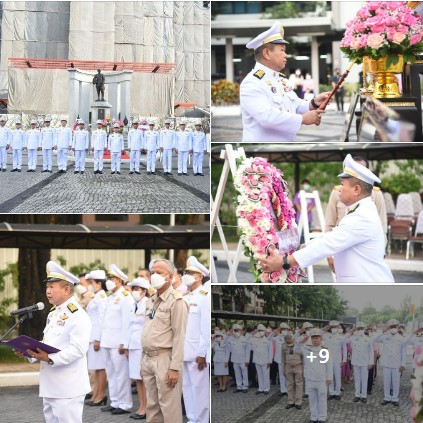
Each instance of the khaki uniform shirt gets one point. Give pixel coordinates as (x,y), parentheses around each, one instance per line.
(167,328)
(291,359)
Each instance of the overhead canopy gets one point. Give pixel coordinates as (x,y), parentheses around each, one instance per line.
(327,152)
(143,237)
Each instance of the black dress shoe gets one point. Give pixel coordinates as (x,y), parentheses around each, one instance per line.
(179,174)
(298,407)
(148,173)
(137,416)
(364,400)
(118,411)
(305,396)
(331,397)
(245,391)
(266,392)
(289,406)
(259,392)
(100,172)
(119,174)
(29,170)
(19,170)
(73,172)
(356,399)
(82,172)
(170,174)
(89,396)
(138,173)
(14,170)
(113,173)
(186,174)
(153,173)
(49,171)
(200,174)
(3,170)
(237,391)
(384,402)
(108,408)
(131,173)
(395,403)
(338,397)
(282,394)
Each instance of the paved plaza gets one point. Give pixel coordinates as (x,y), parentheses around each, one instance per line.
(22,405)
(228,407)
(88,193)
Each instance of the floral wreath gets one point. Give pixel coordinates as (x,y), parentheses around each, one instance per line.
(417,386)
(263,206)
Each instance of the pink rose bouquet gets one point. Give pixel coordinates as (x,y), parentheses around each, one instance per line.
(384,28)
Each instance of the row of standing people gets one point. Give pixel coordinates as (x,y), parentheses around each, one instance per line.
(62,139)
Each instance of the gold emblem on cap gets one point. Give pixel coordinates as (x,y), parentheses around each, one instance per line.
(282,32)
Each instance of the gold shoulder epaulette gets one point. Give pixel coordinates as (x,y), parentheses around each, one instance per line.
(53,308)
(376,188)
(125,293)
(72,308)
(108,293)
(282,74)
(259,74)
(337,187)
(103,295)
(177,295)
(185,293)
(204,292)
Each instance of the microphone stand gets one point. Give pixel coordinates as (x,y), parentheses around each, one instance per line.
(29,315)
(341,80)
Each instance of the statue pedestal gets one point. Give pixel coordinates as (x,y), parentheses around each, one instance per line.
(100,109)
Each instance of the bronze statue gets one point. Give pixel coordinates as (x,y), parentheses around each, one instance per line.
(99,81)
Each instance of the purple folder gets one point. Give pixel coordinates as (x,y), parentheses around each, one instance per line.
(23,343)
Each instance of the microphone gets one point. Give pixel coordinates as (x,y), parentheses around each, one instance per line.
(30,309)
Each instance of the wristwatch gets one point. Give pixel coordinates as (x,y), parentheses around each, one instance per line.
(286,265)
(50,361)
(314,104)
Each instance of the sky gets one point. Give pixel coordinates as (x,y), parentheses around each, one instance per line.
(379,296)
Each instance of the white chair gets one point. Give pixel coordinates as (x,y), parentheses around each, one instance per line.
(417,203)
(389,204)
(404,209)
(418,236)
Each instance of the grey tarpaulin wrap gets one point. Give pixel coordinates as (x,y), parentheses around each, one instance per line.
(143,31)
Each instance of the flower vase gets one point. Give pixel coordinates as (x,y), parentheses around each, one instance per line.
(385,81)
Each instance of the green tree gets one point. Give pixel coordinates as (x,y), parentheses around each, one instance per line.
(291,9)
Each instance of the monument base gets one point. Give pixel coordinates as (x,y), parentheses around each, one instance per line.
(100,109)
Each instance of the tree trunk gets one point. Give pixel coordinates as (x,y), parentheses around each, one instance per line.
(32,272)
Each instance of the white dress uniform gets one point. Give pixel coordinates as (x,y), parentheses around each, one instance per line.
(48,140)
(279,341)
(357,244)
(80,143)
(115,145)
(361,358)
(392,358)
(316,374)
(96,309)
(262,358)
(271,111)
(337,347)
(220,358)
(64,141)
(119,308)
(151,143)
(5,140)
(167,141)
(183,145)
(135,142)
(64,384)
(98,143)
(240,357)
(196,383)
(33,140)
(198,148)
(17,144)
(133,341)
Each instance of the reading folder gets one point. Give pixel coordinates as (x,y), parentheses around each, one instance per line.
(23,343)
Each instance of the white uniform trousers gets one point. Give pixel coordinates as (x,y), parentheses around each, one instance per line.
(63,410)
(167,160)
(361,375)
(196,391)
(32,159)
(263,376)
(17,159)
(317,400)
(80,160)
(62,158)
(391,377)
(134,361)
(182,162)
(241,375)
(282,380)
(335,386)
(116,162)
(134,160)
(197,162)
(3,157)
(95,359)
(117,372)
(47,158)
(151,160)
(98,160)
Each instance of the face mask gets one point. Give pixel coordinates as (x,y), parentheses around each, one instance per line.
(157,281)
(260,333)
(284,332)
(308,333)
(110,285)
(360,332)
(218,339)
(237,334)
(136,295)
(91,289)
(188,280)
(334,330)
(340,330)
(393,331)
(306,187)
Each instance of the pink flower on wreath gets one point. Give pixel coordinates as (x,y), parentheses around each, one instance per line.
(374,40)
(415,39)
(355,43)
(398,37)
